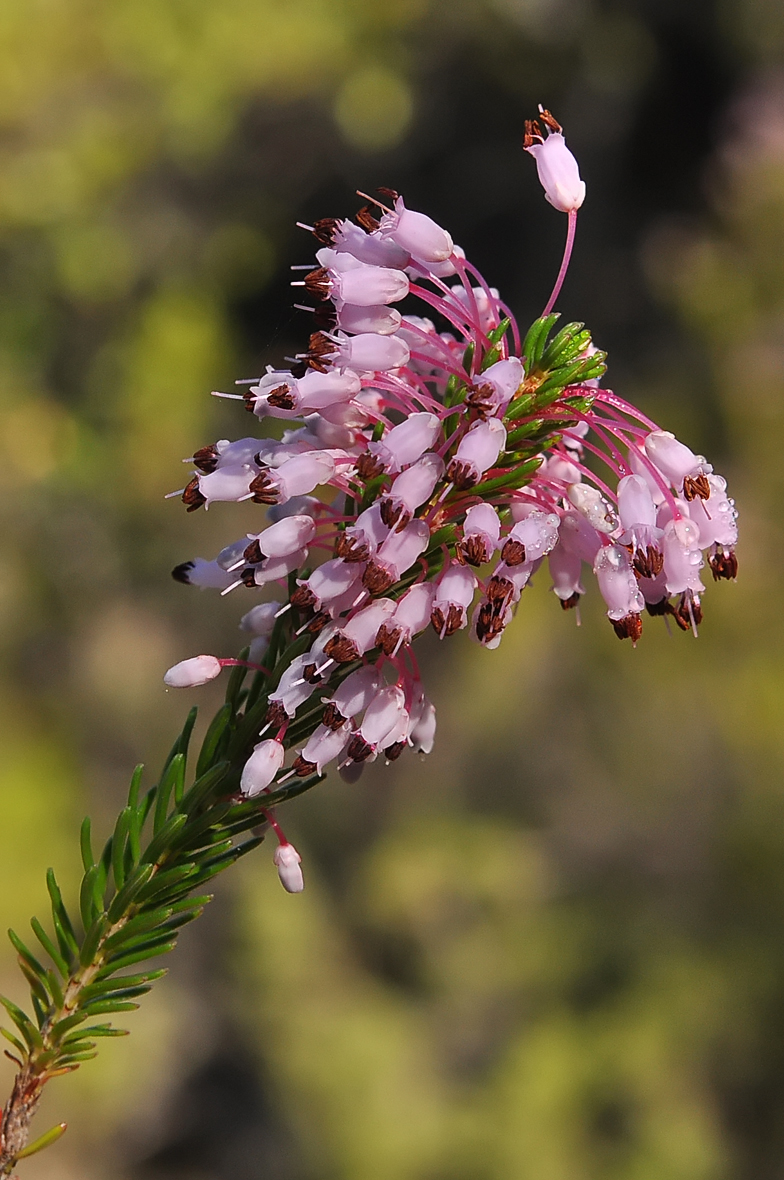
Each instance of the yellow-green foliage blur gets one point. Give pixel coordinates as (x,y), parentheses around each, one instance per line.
(554,950)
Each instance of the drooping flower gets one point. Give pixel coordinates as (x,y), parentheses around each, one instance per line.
(558,171)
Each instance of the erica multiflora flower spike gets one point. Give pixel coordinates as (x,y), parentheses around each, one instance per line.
(431,463)
(429,459)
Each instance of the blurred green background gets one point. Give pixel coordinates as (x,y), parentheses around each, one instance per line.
(554,950)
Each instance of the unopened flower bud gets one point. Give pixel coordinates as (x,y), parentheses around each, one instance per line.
(591,503)
(287,861)
(260,620)
(193,672)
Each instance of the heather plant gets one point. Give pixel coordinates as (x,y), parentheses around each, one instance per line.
(427,458)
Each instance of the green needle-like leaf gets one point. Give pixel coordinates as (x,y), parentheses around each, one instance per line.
(44,1141)
(49,947)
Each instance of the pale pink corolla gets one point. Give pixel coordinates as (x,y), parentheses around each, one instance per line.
(287,861)
(557,168)
(262,766)
(417,233)
(406,442)
(194,672)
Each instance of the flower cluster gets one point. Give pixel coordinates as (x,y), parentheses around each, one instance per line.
(431,461)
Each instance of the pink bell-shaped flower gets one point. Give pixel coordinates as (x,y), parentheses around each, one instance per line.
(303,473)
(617,583)
(226,484)
(298,682)
(673,458)
(412,615)
(353,696)
(407,441)
(682,556)
(500,382)
(369,351)
(477,451)
(286,536)
(383,717)
(531,538)
(384,320)
(454,594)
(558,172)
(372,248)
(417,233)
(358,634)
(328,581)
(272,569)
(361,540)
(481,532)
(565,570)
(398,553)
(423,733)
(367,286)
(262,766)
(323,746)
(412,488)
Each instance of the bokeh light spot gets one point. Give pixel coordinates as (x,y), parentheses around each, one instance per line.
(374,108)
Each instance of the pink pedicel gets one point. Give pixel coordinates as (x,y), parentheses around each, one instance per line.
(426,468)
